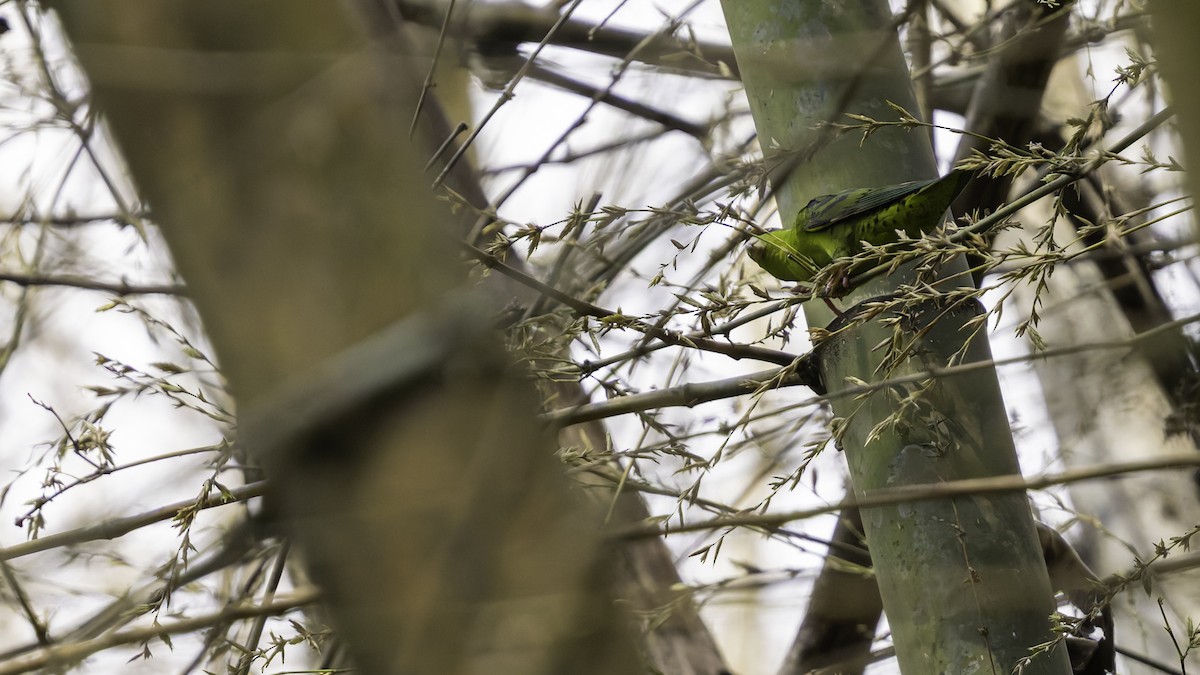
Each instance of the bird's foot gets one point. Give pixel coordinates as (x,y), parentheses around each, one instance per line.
(839,281)
(837,284)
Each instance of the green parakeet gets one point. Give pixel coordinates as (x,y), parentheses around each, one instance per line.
(834,226)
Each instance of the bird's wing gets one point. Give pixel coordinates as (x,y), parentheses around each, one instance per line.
(829,210)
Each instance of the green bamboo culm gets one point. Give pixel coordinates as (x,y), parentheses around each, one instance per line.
(962,580)
(835,226)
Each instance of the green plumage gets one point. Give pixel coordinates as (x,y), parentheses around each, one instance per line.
(834,226)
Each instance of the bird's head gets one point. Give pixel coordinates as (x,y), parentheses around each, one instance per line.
(781,255)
